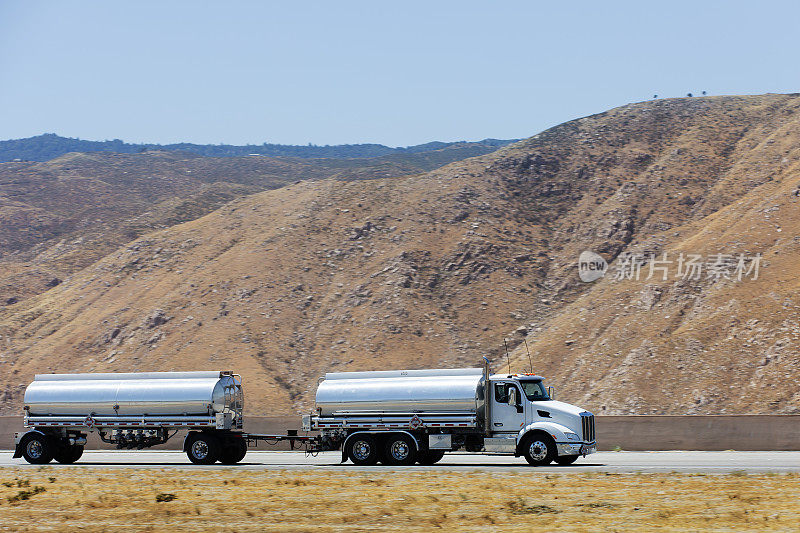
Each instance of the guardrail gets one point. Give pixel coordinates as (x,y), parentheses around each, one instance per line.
(630,432)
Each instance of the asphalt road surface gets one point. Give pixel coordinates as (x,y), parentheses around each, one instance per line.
(623,462)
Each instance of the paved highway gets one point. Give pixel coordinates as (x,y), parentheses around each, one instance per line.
(623,462)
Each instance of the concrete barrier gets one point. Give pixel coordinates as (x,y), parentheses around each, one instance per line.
(699,432)
(636,432)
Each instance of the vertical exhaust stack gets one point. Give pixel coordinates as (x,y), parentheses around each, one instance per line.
(487,404)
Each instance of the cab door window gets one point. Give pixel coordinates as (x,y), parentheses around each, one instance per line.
(503,392)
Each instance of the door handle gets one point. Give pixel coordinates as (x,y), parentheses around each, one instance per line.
(498,423)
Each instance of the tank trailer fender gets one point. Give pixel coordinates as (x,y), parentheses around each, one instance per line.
(186,440)
(557,431)
(373,433)
(19,437)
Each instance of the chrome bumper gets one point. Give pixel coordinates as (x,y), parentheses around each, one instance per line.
(576,448)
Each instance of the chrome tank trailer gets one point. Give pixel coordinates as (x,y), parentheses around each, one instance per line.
(146,394)
(140,410)
(448,390)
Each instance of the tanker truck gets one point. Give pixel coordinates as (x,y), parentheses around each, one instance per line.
(396,418)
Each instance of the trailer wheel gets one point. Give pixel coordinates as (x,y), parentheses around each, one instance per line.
(538,449)
(68,454)
(233,451)
(565,460)
(362,450)
(37,449)
(430,457)
(203,449)
(400,450)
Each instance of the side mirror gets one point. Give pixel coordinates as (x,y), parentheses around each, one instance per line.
(551,392)
(512,396)
(513,400)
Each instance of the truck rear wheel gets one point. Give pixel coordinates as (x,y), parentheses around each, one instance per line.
(400,450)
(538,449)
(37,449)
(68,454)
(430,457)
(233,451)
(362,450)
(203,449)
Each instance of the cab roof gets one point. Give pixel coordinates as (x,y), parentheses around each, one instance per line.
(524,377)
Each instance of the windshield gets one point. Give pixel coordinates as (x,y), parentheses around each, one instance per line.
(534,390)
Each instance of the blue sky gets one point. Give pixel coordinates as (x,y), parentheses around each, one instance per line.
(396,73)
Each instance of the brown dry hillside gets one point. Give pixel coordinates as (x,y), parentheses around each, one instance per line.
(59,216)
(435,269)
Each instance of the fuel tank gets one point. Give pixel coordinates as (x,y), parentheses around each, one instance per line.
(132,394)
(445,390)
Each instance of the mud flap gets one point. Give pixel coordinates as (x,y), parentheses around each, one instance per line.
(18,443)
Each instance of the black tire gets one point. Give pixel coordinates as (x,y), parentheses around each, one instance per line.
(203,449)
(362,450)
(399,450)
(565,460)
(233,451)
(37,449)
(538,449)
(430,457)
(68,454)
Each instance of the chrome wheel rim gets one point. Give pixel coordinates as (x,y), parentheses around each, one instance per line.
(400,450)
(538,450)
(34,449)
(361,450)
(200,449)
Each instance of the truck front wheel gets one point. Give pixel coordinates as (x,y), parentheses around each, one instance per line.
(203,449)
(37,449)
(538,449)
(362,450)
(400,450)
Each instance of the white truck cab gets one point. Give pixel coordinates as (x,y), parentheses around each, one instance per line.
(522,414)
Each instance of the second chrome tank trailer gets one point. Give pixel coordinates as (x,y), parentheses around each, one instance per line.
(392,417)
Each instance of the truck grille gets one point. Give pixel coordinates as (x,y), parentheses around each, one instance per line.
(587,425)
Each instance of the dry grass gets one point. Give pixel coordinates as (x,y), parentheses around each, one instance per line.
(281,500)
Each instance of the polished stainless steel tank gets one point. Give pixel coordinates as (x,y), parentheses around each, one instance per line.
(134,394)
(446,390)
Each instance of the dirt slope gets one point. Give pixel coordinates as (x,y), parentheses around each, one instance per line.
(59,216)
(435,269)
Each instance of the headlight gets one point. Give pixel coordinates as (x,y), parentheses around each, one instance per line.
(572,436)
